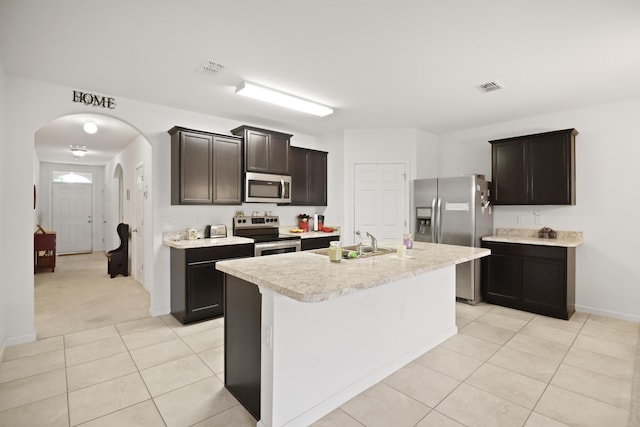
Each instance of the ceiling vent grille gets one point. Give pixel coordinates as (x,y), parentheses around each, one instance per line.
(489,86)
(211,67)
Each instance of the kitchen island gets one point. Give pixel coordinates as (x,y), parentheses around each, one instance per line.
(304,335)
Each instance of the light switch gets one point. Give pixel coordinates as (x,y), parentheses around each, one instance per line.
(537,217)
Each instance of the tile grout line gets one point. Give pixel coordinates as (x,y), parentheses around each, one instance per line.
(554,374)
(586,369)
(66,379)
(142,378)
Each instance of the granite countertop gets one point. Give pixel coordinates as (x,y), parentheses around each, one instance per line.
(309,234)
(206,243)
(567,239)
(311,277)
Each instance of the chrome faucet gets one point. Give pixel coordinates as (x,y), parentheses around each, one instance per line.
(374,242)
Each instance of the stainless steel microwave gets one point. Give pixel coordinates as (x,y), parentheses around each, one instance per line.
(267,188)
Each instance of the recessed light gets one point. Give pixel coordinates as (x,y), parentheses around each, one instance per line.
(90,127)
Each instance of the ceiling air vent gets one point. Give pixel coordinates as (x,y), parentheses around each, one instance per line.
(489,86)
(211,67)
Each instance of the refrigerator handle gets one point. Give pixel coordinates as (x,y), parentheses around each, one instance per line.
(439,208)
(434,220)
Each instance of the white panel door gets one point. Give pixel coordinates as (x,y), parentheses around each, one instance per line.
(72,217)
(380,200)
(138,239)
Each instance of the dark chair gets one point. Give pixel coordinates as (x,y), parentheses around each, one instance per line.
(118,259)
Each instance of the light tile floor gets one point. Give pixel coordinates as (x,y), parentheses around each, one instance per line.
(504,368)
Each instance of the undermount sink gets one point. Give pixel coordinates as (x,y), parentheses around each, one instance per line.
(365,251)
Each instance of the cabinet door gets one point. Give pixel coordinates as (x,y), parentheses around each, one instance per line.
(544,288)
(503,284)
(227,171)
(548,159)
(317,243)
(299,166)
(278,154)
(509,173)
(318,178)
(256,151)
(196,181)
(204,291)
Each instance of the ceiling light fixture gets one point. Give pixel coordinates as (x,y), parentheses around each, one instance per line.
(78,150)
(284,100)
(90,127)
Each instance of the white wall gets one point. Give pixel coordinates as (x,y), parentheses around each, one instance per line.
(427,155)
(3,224)
(608,199)
(137,152)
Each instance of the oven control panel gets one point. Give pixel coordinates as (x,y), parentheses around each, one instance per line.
(256,221)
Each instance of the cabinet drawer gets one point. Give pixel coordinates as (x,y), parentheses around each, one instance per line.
(219,253)
(317,242)
(518,249)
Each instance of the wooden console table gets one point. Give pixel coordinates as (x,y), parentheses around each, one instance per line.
(44,246)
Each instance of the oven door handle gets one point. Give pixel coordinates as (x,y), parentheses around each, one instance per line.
(278,245)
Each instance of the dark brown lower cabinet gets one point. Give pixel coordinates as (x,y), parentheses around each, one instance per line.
(242,341)
(535,278)
(197,288)
(317,242)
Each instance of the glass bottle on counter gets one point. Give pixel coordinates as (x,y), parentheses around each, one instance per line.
(407,241)
(335,251)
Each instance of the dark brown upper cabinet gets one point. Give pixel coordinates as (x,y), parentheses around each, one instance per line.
(265,151)
(534,169)
(308,177)
(206,168)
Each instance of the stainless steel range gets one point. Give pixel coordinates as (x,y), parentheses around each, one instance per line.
(264,230)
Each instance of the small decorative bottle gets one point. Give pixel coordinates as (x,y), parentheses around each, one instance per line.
(407,241)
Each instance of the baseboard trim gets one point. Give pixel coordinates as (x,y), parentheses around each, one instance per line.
(155,312)
(615,314)
(21,339)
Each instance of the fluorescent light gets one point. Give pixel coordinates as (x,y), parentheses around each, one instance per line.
(78,151)
(279,98)
(90,127)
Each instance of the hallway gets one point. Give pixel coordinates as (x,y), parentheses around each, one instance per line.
(80,296)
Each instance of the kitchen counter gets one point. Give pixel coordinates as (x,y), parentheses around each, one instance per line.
(297,321)
(206,243)
(567,239)
(309,234)
(310,277)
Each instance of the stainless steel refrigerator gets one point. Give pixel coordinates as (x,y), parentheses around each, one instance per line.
(455,211)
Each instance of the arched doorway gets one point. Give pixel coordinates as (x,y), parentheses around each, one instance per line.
(112,155)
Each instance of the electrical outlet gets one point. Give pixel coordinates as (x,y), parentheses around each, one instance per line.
(537,217)
(521,219)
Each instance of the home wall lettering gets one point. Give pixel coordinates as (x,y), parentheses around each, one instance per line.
(94,100)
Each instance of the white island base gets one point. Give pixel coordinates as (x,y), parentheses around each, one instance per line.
(317,356)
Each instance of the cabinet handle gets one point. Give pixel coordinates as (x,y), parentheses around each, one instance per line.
(207,307)
(202,262)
